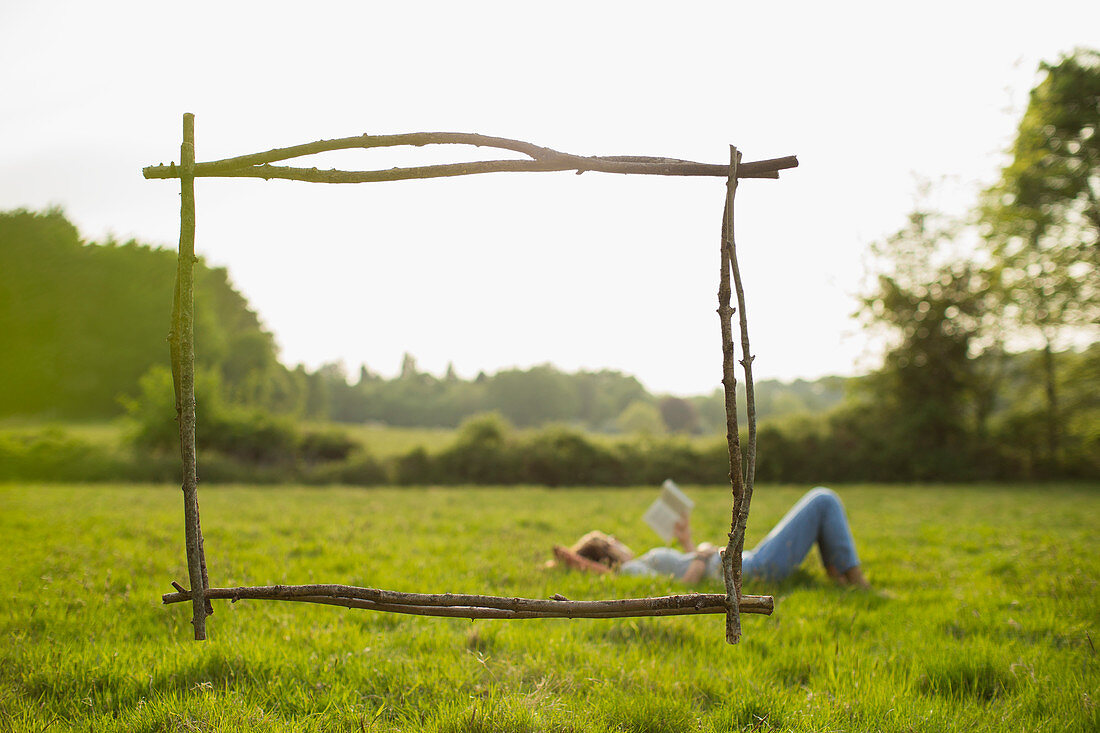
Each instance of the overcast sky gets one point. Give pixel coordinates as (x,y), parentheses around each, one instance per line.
(487,272)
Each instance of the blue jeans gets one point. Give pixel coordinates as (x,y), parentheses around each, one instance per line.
(817,517)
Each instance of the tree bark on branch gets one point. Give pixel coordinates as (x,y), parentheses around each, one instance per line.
(257,165)
(182,346)
(479,606)
(731,559)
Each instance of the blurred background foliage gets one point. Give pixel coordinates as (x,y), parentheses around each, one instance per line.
(83,330)
(82,322)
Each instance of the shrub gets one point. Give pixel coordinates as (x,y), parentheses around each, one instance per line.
(325,445)
(360,469)
(51,455)
(249,436)
(559,456)
(483,453)
(415,468)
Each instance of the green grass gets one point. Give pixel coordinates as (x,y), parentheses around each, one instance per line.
(986,616)
(385,441)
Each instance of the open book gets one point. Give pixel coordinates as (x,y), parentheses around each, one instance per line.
(667,510)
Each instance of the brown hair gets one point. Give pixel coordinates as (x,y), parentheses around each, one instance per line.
(601,548)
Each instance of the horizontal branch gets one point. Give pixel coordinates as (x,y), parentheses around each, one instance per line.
(414,139)
(257,165)
(480,612)
(657,167)
(478,606)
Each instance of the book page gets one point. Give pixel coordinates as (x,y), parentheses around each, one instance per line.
(671,504)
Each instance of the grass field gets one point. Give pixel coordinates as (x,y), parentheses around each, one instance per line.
(986,616)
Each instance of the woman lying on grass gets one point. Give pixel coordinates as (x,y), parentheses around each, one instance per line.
(818,517)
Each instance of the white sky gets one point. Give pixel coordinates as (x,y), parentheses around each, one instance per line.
(519,269)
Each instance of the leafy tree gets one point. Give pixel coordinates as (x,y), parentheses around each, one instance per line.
(1052,178)
(408,367)
(679,415)
(921,402)
(1019,427)
(641,418)
(604,394)
(539,395)
(80,323)
(1043,217)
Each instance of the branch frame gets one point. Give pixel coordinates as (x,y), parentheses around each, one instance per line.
(539,159)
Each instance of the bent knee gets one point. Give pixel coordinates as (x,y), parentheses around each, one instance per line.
(823,495)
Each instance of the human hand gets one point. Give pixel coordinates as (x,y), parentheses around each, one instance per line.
(682,532)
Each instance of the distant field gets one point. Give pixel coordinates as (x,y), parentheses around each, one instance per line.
(383,441)
(100,432)
(986,616)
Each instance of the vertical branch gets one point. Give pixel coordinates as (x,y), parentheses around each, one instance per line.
(174,344)
(177,367)
(183,369)
(750,392)
(731,561)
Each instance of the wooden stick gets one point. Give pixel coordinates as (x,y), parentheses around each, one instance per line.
(750,391)
(743,498)
(731,560)
(415,139)
(462,605)
(184,355)
(580,165)
(256,165)
(175,337)
(478,612)
(418,139)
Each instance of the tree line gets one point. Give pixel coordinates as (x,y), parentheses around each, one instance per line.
(604,401)
(83,324)
(84,330)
